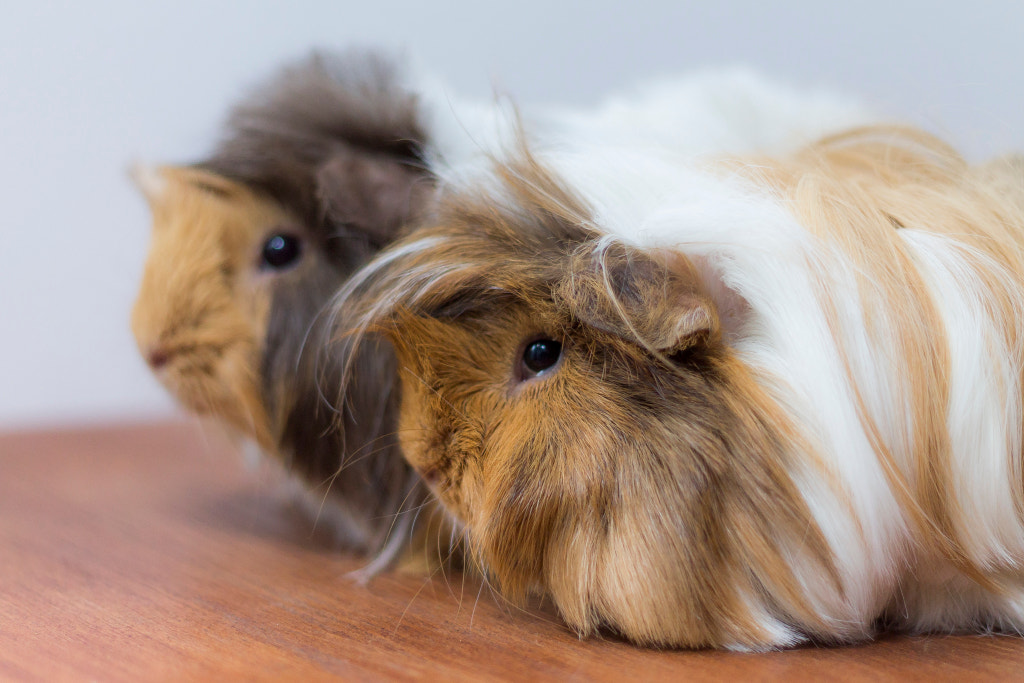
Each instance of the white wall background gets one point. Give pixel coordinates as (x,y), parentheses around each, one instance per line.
(87,87)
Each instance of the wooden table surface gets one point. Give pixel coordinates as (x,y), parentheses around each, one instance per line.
(152,552)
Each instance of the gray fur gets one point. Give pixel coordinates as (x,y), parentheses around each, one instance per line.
(337,141)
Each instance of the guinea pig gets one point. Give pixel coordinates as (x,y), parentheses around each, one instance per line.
(744,403)
(321,168)
(318,170)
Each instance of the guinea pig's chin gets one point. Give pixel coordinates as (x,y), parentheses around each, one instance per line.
(199,393)
(452,494)
(214,388)
(442,489)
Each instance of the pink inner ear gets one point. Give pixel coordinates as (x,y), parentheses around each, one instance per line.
(732,309)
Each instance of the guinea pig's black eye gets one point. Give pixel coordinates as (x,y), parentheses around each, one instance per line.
(281,250)
(540,356)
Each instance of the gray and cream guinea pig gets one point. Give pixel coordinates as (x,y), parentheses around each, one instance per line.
(735,403)
(317,171)
(320,169)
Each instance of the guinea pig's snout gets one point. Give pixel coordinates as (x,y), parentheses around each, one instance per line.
(159,355)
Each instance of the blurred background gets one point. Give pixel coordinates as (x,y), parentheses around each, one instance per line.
(85,88)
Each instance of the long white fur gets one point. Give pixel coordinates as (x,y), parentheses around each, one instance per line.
(714,110)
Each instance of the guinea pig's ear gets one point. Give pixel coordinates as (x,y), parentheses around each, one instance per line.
(150,180)
(641,298)
(374,194)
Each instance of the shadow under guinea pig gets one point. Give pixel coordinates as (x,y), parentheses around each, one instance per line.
(278,519)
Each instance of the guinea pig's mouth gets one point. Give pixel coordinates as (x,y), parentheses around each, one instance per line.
(196,376)
(195,392)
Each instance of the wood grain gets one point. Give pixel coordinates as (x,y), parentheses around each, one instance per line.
(152,553)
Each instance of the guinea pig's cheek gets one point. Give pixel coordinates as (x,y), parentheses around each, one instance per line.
(428,469)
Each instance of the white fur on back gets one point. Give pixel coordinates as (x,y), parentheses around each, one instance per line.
(709,111)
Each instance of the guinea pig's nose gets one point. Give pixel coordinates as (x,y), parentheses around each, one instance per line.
(158,356)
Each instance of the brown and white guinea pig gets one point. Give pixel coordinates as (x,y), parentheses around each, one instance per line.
(318,170)
(740,404)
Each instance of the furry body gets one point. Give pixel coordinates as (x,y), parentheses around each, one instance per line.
(788,404)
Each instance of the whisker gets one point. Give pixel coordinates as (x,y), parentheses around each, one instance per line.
(472,616)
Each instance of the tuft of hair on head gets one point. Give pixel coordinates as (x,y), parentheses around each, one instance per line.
(281,136)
